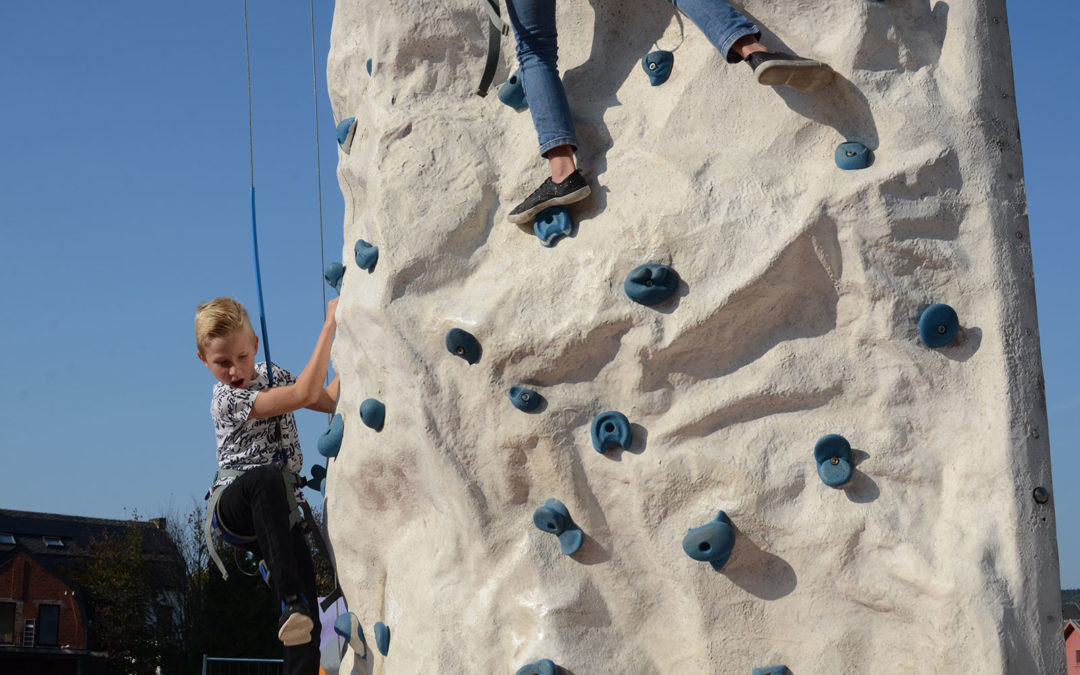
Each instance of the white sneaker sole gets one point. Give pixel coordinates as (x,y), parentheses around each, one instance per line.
(526,216)
(806,76)
(296,630)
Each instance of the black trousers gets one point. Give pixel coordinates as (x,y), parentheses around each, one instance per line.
(256,504)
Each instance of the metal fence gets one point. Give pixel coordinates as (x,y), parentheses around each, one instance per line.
(220,665)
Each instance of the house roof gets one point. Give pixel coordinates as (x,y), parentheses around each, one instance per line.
(58,539)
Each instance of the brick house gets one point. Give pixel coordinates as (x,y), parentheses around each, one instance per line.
(44,618)
(1072,647)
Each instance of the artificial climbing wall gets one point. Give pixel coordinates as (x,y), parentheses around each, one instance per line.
(796,316)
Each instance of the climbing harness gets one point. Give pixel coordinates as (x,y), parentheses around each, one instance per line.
(213,523)
(497,28)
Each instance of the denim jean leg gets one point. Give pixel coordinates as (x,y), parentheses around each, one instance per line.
(538,56)
(721,23)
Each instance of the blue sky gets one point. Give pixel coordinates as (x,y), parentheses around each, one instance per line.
(124,203)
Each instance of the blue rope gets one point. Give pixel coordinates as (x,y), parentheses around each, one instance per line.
(258,286)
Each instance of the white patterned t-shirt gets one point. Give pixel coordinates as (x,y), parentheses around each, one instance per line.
(243,443)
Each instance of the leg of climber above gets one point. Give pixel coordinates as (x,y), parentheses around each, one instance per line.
(736,38)
(537,52)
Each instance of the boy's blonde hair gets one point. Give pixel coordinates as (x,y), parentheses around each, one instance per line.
(218,318)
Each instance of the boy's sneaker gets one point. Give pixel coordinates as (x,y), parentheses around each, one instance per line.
(572,189)
(778,69)
(295,624)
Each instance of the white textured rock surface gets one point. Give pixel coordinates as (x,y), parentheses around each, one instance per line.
(797,317)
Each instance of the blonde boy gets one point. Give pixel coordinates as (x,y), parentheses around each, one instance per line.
(257,445)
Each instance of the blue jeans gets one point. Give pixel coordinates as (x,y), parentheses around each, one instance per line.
(538,55)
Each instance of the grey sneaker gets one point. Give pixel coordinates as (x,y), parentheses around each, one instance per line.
(572,189)
(295,624)
(779,69)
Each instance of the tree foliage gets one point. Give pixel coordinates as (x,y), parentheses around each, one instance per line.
(141,630)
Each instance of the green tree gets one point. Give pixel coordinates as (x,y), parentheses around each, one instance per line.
(123,605)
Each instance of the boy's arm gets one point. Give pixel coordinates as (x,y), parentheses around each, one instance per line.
(327,398)
(307,389)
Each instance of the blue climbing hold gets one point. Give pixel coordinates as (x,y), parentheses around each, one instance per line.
(541,667)
(368,66)
(382,637)
(330,442)
(852,155)
(318,477)
(609,429)
(524,399)
(651,284)
(657,65)
(770,670)
(833,456)
(333,274)
(552,224)
(512,93)
(366,255)
(464,344)
(553,517)
(373,413)
(938,325)
(346,129)
(711,542)
(348,626)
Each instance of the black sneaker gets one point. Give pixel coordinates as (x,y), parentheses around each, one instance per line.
(778,69)
(572,189)
(295,624)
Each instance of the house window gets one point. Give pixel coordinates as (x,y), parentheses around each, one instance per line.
(7,538)
(7,623)
(48,625)
(53,542)
(1078,657)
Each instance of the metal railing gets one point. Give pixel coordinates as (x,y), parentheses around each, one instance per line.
(220,665)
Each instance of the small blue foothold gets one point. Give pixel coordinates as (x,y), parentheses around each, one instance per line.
(318,477)
(651,284)
(711,542)
(657,65)
(512,93)
(368,66)
(373,413)
(832,453)
(553,517)
(366,254)
(333,274)
(382,637)
(464,344)
(609,429)
(770,670)
(330,442)
(852,155)
(524,399)
(552,224)
(348,626)
(346,129)
(938,325)
(541,667)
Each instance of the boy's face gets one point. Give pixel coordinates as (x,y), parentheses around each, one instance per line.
(231,358)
